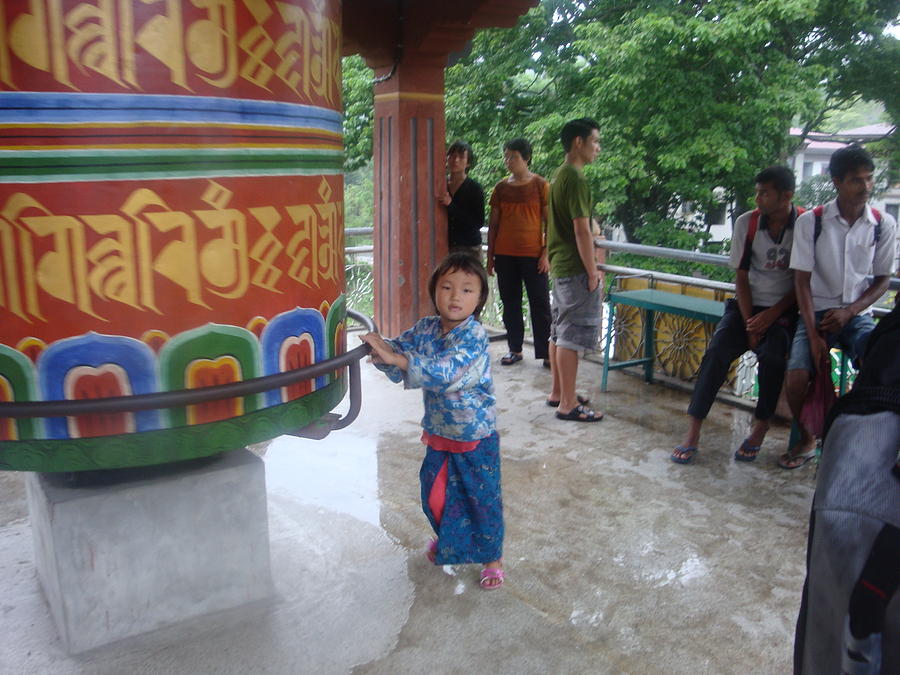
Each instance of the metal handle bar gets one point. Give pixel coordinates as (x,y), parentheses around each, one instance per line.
(184,397)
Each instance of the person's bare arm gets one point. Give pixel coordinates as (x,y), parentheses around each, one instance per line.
(835,319)
(493,224)
(584,240)
(744,297)
(817,346)
(743,294)
(383,353)
(759,323)
(544,260)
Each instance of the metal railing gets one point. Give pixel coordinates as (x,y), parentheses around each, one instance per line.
(744,382)
(686,256)
(640,249)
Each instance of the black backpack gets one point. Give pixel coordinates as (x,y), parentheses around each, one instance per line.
(877,385)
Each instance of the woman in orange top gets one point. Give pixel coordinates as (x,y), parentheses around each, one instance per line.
(517,250)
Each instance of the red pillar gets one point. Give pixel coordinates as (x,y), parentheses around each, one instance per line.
(410,226)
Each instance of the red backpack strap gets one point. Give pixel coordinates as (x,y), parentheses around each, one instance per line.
(752,226)
(877,214)
(817,228)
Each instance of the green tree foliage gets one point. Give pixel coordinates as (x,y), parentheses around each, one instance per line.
(690,96)
(358,203)
(858,113)
(358,109)
(693,98)
(814,191)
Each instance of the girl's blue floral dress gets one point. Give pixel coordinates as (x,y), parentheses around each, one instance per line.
(460,475)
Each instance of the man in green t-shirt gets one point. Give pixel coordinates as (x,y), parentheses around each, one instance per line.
(576,281)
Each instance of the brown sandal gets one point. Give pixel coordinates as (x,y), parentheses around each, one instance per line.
(580,413)
(790,461)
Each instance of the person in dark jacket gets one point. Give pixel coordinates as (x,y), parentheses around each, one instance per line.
(464,200)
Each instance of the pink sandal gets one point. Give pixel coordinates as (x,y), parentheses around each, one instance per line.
(432,551)
(489,574)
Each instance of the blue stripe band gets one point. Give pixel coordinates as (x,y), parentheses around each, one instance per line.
(63,108)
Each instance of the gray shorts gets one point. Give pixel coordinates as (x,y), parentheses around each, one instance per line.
(852,339)
(576,314)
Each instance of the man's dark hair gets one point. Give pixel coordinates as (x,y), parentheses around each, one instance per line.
(851,158)
(580,128)
(462,146)
(520,145)
(465,262)
(781,177)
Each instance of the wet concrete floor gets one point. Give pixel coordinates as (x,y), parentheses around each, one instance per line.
(618,560)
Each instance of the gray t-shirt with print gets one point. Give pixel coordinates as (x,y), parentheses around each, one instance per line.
(768,262)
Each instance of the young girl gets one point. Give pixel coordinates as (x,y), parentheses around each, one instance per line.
(446,355)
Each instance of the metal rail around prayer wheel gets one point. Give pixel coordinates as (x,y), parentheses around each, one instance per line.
(185,397)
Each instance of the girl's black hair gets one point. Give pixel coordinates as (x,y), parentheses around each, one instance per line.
(462,146)
(848,159)
(465,262)
(520,145)
(781,177)
(580,128)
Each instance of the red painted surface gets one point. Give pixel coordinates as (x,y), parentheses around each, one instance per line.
(264,50)
(120,258)
(99,384)
(411,228)
(7,429)
(298,354)
(220,372)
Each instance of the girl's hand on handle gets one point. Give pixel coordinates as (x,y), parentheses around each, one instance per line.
(382,351)
(379,347)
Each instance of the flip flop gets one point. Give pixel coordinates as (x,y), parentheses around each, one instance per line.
(510,359)
(788,459)
(489,574)
(747,452)
(583,400)
(683,454)
(580,413)
(432,551)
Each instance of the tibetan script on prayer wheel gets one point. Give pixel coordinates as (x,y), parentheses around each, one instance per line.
(171,218)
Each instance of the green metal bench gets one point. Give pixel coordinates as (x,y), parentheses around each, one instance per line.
(703,309)
(652,301)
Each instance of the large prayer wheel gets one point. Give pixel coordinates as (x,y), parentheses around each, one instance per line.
(171,219)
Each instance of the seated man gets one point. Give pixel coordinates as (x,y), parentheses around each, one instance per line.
(836,248)
(760,318)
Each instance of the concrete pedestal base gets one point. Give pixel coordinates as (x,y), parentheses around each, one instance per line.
(155,547)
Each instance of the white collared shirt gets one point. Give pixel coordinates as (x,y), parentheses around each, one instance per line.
(844,254)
